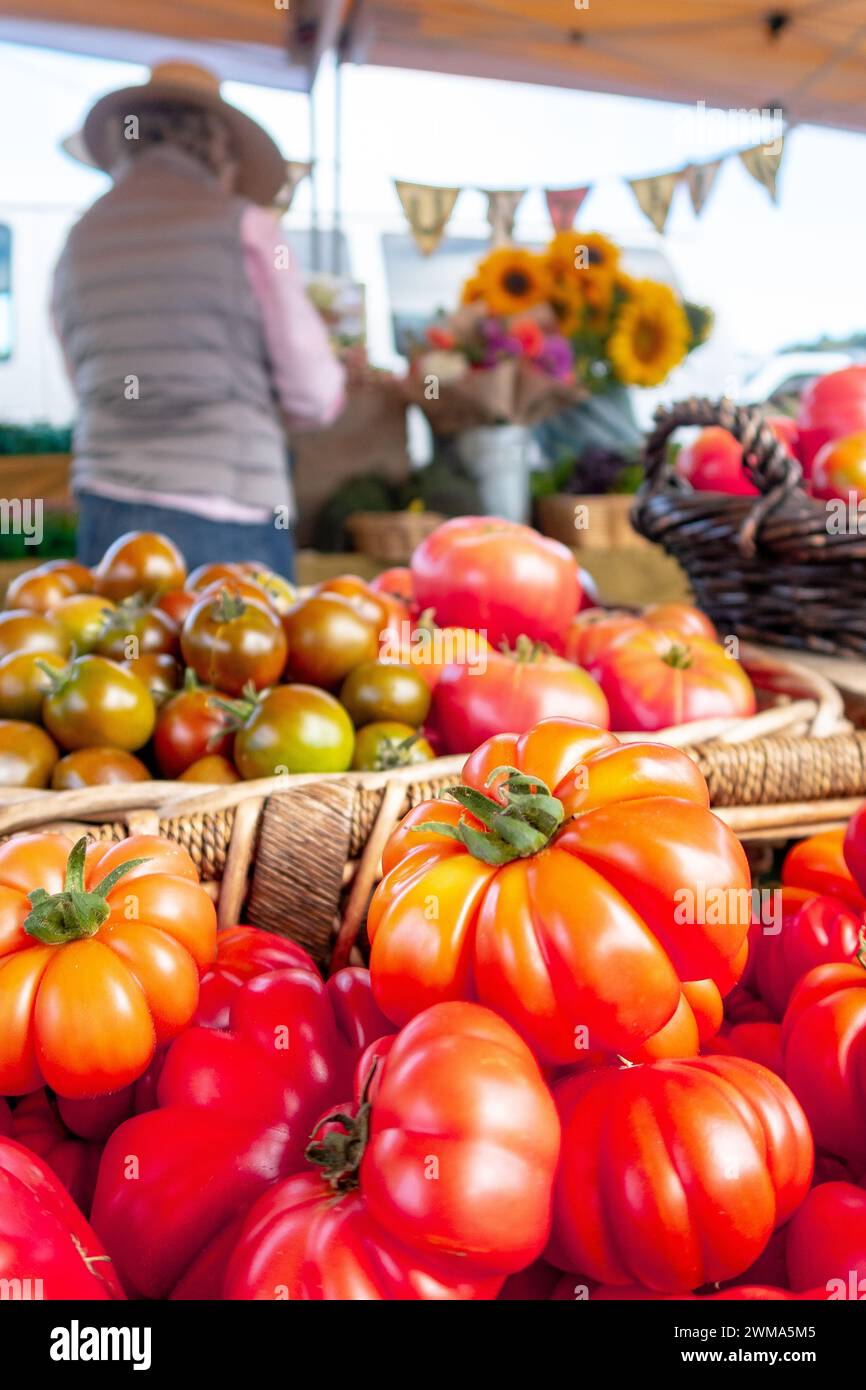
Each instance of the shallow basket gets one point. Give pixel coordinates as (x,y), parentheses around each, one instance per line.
(590,522)
(301,855)
(391,537)
(768,568)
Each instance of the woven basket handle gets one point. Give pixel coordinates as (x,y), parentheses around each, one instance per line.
(766,461)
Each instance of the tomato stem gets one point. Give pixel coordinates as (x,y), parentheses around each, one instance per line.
(339,1153)
(519,821)
(74,913)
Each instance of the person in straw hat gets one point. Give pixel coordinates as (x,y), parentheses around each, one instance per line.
(188,336)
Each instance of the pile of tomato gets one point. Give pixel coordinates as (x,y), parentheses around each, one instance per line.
(138,669)
(586,1061)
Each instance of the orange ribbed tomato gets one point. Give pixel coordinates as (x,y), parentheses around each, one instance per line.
(101,950)
(579,887)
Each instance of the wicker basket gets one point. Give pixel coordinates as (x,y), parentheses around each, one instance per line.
(768,567)
(391,537)
(300,855)
(591,522)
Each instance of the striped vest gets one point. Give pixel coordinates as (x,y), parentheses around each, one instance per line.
(162,333)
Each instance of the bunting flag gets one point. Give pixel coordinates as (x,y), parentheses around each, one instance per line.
(564,204)
(700,179)
(654,196)
(762,162)
(428,211)
(296,171)
(502,205)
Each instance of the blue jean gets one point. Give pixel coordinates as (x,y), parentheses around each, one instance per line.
(102,519)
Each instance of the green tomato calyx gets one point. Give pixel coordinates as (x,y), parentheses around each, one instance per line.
(74,913)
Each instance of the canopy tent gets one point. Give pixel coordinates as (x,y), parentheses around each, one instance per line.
(805,56)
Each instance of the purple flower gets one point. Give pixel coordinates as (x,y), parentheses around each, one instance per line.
(556,357)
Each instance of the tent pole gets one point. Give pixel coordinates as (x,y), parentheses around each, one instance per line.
(315,241)
(338,165)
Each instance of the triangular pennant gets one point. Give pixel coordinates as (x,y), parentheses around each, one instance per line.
(428,211)
(700,179)
(564,204)
(296,171)
(502,205)
(654,196)
(762,162)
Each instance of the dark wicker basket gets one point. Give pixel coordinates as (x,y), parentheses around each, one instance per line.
(767,568)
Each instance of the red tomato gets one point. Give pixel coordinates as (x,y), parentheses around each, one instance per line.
(429,649)
(683,618)
(498,576)
(854,849)
(820,931)
(511,691)
(713,462)
(97,1117)
(759,1042)
(839,468)
(458,1097)
(597,631)
(36,1123)
(47,1247)
(662,884)
(832,406)
(397,582)
(675,1174)
(190,726)
(824,1041)
(656,679)
(101,965)
(827,1241)
(242,954)
(236,1109)
(820,865)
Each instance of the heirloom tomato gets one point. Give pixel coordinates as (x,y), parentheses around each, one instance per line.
(328,637)
(675,1174)
(824,1042)
(682,618)
(387,743)
(131,631)
(397,583)
(511,690)
(656,679)
(37,1123)
(294,728)
(759,1042)
(97,767)
(47,1249)
(498,576)
(24,683)
(596,631)
(100,954)
(819,930)
(236,1109)
(140,563)
(39,590)
(231,642)
(831,406)
(839,468)
(84,618)
(578,886)
(428,649)
(456,1097)
(95,702)
(826,1242)
(21,631)
(821,864)
(713,462)
(27,754)
(242,954)
(190,726)
(384,690)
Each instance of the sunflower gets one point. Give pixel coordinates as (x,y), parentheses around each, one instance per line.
(577,253)
(651,335)
(472,292)
(512,280)
(569,306)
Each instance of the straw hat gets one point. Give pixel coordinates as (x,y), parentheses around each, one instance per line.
(261,168)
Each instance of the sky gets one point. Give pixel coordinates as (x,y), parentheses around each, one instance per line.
(774,274)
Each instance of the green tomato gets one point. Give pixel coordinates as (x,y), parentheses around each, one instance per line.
(294,728)
(377,690)
(387,744)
